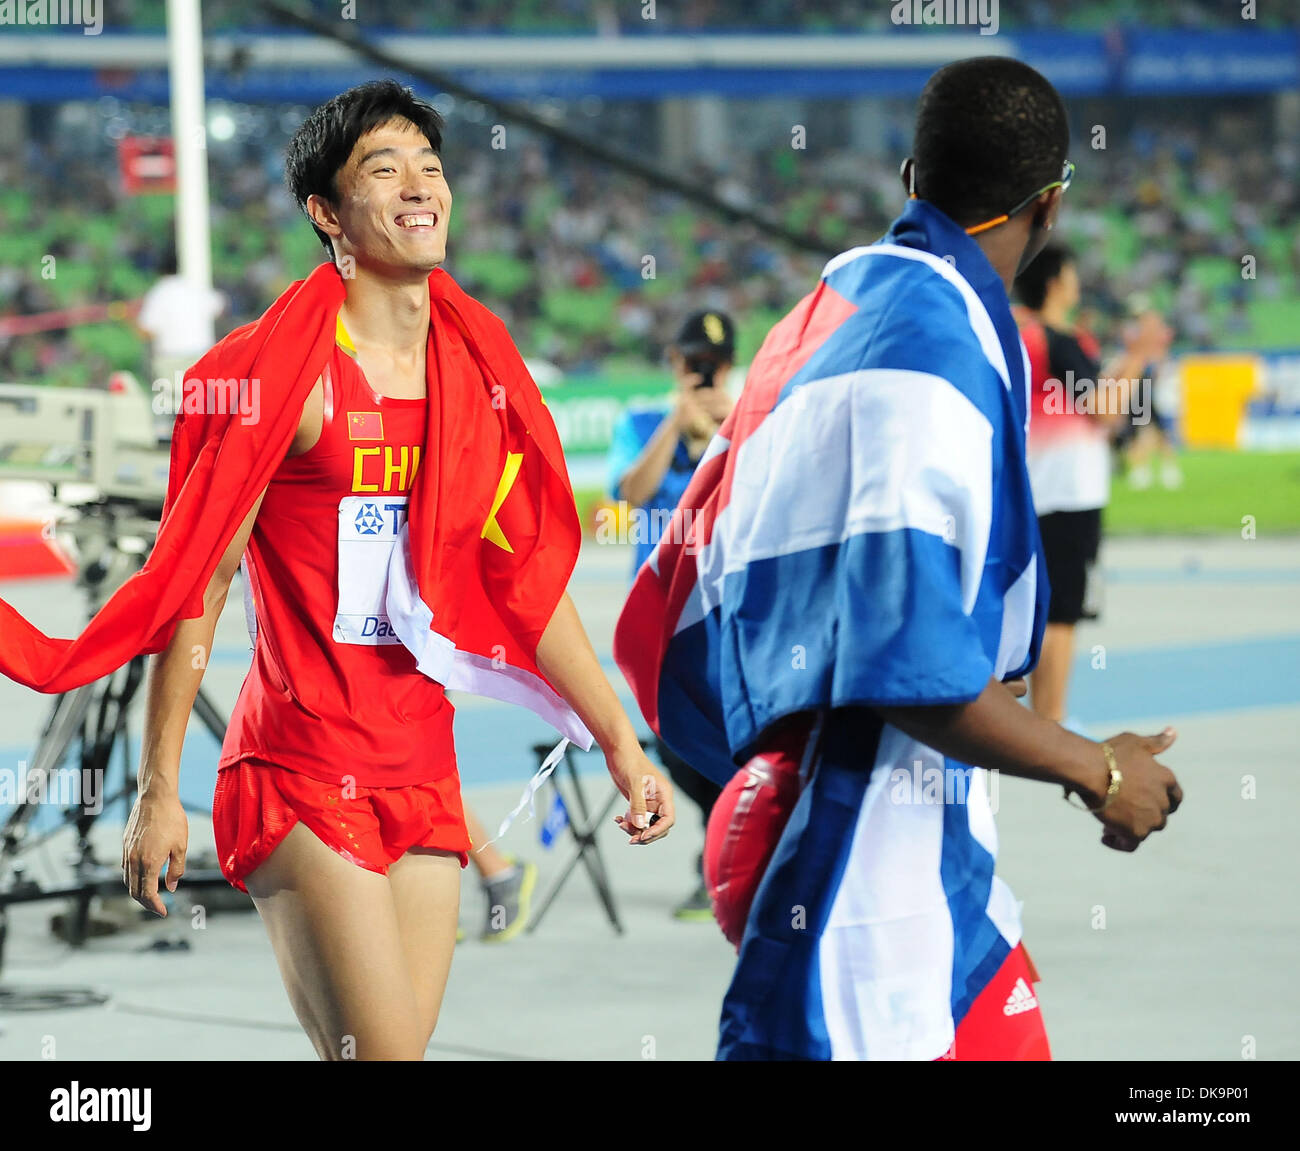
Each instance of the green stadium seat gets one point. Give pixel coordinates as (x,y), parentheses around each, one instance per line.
(1213,273)
(586,312)
(542,204)
(751,331)
(16,204)
(1278,244)
(1274,323)
(119,346)
(73,283)
(499,272)
(1121,244)
(101,234)
(127,282)
(664,285)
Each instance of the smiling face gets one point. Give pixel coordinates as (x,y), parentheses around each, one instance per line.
(393,203)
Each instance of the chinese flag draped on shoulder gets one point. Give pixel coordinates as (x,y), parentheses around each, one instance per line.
(484,559)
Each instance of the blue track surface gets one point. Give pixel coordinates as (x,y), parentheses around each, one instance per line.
(1165,682)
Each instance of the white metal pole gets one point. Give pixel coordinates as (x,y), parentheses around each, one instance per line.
(189,135)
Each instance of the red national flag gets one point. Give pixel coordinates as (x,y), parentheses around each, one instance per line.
(488,606)
(365,425)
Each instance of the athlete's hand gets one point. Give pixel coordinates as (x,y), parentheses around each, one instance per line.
(157,834)
(1148,793)
(650,796)
(1148,337)
(716,402)
(694,411)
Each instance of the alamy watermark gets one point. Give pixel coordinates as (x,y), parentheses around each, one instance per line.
(78,1104)
(983,14)
(44,13)
(624,524)
(924,784)
(211,397)
(64,787)
(1114,396)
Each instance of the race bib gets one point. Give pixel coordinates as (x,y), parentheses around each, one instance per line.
(368,528)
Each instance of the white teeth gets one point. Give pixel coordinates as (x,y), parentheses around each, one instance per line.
(418,221)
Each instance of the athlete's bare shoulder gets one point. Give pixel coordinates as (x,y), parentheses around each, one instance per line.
(312,421)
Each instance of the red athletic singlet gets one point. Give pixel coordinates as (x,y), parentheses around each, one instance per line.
(332,693)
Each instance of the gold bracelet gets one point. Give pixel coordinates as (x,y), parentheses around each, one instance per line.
(1112,788)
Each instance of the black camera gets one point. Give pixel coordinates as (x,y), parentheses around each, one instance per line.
(704,367)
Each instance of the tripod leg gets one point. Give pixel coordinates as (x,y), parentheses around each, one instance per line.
(65,725)
(554,889)
(79,921)
(109,729)
(69,713)
(103,730)
(589,853)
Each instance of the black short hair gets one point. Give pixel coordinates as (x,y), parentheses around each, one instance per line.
(989,132)
(1032,284)
(325,140)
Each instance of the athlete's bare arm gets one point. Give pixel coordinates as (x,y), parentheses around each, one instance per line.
(996,732)
(566,657)
(640,482)
(693,416)
(157,832)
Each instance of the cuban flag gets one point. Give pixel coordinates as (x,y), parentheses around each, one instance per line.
(859,534)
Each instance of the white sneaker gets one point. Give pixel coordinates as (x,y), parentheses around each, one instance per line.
(1171,476)
(1139,479)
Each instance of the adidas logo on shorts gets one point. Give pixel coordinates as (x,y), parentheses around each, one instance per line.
(1020,999)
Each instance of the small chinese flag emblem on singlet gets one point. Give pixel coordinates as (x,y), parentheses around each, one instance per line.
(365,425)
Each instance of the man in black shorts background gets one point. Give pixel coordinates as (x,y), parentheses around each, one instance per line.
(1071,423)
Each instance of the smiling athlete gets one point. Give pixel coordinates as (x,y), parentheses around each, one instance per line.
(403,510)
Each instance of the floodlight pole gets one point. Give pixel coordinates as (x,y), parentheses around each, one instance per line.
(189,136)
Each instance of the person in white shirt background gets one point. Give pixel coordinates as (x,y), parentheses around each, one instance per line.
(176,317)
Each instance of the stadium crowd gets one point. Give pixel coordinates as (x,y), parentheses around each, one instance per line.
(633,16)
(561,247)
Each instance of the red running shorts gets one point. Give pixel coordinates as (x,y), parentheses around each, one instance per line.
(257,804)
(1004,1022)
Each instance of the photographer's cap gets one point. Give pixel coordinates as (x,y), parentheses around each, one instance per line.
(705,332)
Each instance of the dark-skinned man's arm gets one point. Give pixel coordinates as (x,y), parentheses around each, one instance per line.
(995,732)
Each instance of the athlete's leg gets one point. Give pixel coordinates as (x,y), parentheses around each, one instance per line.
(487,860)
(335,930)
(1138,458)
(1050,680)
(425,886)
